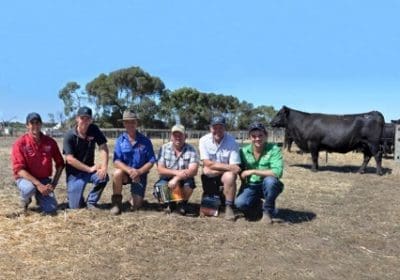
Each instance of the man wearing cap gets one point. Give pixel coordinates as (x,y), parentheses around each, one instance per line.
(220,155)
(177,164)
(32,159)
(79,151)
(133,159)
(262,166)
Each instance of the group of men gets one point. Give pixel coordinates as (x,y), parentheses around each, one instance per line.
(258,164)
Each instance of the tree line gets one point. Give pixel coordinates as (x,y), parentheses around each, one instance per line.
(157,107)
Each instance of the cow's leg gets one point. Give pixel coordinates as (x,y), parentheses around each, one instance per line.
(378,159)
(367,156)
(314,157)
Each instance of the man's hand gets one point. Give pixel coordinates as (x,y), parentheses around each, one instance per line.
(246,173)
(102,173)
(134,174)
(234,168)
(173,182)
(45,189)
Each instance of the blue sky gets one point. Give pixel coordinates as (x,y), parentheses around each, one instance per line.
(335,57)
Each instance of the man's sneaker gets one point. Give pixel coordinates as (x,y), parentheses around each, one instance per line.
(229,215)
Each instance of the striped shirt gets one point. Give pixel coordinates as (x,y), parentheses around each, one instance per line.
(170,160)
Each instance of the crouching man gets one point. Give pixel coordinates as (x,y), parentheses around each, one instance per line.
(262,167)
(32,159)
(133,159)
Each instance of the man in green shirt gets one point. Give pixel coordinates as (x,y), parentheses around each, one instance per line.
(263,167)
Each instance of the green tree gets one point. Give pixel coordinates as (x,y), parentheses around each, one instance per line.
(195,109)
(126,88)
(71,97)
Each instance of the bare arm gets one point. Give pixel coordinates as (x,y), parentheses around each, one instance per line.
(56,176)
(133,173)
(262,173)
(191,171)
(71,160)
(102,170)
(211,167)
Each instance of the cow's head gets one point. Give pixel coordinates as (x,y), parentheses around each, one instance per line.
(280,119)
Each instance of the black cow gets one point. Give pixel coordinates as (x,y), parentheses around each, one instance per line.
(334,133)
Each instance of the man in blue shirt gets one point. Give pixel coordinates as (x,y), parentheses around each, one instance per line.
(133,159)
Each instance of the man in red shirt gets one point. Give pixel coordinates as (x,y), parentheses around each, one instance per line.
(32,159)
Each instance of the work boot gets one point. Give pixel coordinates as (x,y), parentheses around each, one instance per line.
(116,202)
(24,205)
(267,218)
(229,215)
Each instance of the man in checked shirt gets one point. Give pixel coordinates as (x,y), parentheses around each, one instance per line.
(177,165)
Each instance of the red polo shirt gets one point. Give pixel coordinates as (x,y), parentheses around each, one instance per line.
(36,158)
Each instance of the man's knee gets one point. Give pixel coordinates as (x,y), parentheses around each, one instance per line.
(228,178)
(240,202)
(26,187)
(118,174)
(272,183)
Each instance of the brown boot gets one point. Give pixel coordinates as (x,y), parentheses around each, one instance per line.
(116,202)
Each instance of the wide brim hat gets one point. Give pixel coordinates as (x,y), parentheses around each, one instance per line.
(129,115)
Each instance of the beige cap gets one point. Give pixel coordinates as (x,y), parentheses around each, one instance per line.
(178,127)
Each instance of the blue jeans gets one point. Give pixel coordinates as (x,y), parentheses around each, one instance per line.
(250,195)
(76,184)
(47,203)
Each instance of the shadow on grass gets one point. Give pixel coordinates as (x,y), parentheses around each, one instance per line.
(284,215)
(343,168)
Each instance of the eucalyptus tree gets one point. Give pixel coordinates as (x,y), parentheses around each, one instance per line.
(72,98)
(126,88)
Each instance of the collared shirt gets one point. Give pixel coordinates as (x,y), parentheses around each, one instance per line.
(170,160)
(35,158)
(271,158)
(82,149)
(225,152)
(136,155)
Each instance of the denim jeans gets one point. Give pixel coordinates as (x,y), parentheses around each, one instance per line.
(251,194)
(47,203)
(76,184)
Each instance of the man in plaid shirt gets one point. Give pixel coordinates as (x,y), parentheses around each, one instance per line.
(177,164)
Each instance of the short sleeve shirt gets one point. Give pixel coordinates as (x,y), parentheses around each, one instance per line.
(82,149)
(225,152)
(271,159)
(170,160)
(136,155)
(36,158)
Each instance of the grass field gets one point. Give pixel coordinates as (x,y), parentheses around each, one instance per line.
(335,224)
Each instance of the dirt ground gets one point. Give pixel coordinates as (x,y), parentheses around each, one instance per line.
(334,224)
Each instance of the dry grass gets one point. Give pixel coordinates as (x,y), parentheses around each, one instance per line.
(336,224)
